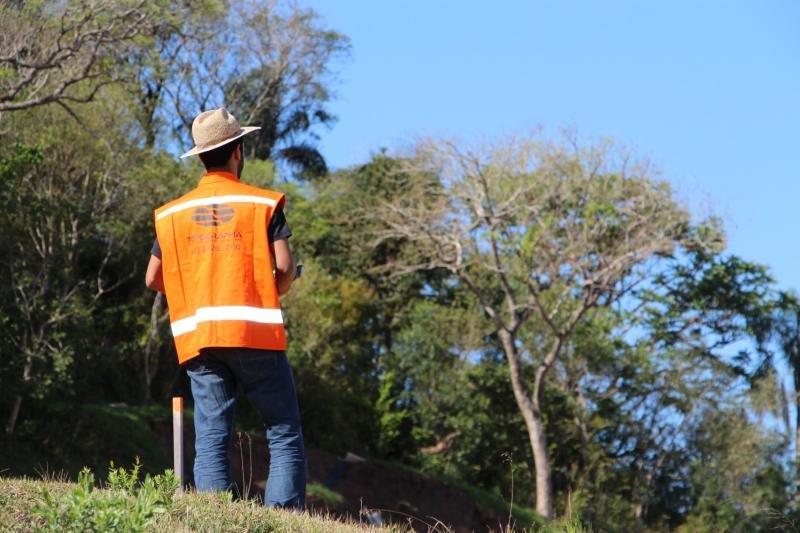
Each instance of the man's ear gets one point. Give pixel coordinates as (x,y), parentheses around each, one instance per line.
(237,153)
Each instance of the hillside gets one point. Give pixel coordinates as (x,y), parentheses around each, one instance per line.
(31,505)
(347,488)
(350,487)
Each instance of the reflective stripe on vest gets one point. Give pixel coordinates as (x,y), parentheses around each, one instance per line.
(211,200)
(226,312)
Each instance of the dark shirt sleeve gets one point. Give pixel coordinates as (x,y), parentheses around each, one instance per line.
(278,230)
(156,249)
(278,227)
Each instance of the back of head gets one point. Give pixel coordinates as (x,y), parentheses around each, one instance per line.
(219,157)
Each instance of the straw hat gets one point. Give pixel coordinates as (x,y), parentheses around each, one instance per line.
(212,129)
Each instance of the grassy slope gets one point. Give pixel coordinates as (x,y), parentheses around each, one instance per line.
(190,512)
(94,434)
(202,512)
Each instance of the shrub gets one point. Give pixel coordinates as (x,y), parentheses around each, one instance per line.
(126,504)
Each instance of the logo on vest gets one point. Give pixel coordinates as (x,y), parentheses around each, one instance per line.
(213,215)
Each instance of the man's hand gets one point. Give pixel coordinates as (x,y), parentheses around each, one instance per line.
(154,279)
(284,265)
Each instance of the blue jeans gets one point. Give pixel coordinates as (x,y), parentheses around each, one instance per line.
(266,378)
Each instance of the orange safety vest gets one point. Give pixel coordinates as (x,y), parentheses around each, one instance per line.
(217,267)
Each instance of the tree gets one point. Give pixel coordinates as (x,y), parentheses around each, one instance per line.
(58,268)
(62,52)
(154,64)
(735,467)
(702,322)
(77,213)
(269,62)
(787,333)
(354,361)
(542,234)
(328,318)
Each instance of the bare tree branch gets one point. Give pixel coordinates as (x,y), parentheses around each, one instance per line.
(57,52)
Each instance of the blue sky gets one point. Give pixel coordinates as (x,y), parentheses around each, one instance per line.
(710,91)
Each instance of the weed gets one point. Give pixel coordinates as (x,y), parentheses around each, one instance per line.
(330,497)
(125,505)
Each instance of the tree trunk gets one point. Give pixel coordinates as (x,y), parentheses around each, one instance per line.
(151,346)
(638,512)
(641,485)
(796,440)
(544,484)
(638,505)
(12,418)
(535,425)
(27,375)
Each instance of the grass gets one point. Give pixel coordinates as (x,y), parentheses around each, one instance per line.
(19,499)
(329,497)
(522,516)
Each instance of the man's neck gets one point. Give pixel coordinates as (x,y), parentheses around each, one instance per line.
(229,170)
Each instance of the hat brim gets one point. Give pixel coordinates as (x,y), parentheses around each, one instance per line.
(245,130)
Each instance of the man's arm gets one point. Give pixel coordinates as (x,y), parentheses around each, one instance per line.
(284,265)
(154,278)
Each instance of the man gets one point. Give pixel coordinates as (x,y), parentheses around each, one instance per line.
(222,258)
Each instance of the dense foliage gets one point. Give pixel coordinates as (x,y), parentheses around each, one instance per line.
(454,302)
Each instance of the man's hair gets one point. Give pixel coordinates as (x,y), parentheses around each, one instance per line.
(218,157)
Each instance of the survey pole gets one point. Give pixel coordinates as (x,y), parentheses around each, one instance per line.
(177,439)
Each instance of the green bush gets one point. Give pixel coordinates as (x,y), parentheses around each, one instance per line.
(329,497)
(126,505)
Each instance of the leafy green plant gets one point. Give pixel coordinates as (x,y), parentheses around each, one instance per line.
(564,525)
(121,479)
(330,497)
(126,504)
